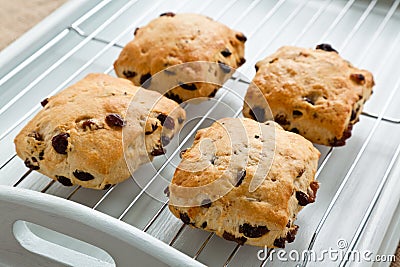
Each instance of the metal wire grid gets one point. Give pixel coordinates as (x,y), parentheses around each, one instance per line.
(113,43)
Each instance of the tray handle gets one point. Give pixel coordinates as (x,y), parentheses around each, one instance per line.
(26,216)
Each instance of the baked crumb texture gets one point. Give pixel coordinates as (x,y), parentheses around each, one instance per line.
(77,138)
(312,92)
(174,39)
(212,186)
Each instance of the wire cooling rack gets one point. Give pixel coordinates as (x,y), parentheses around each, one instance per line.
(353,178)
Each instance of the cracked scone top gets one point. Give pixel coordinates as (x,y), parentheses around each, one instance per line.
(174,39)
(217,186)
(77,138)
(312,92)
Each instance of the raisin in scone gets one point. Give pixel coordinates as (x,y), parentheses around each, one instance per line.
(173,39)
(77,137)
(213,187)
(313,92)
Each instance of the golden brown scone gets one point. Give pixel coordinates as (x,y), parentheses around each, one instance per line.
(215,186)
(315,93)
(174,39)
(77,137)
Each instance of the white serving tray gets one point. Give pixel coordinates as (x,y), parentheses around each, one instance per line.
(23,244)
(359,198)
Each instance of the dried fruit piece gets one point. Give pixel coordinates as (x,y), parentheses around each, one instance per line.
(213,93)
(64,180)
(166,191)
(188,86)
(166,121)
(273,60)
(297,113)
(358,78)
(241,37)
(206,203)
(295,130)
(257,113)
(90,125)
(281,119)
(240,176)
(174,97)
(302,198)
(44,102)
(145,80)
(231,237)
(129,74)
(37,136)
(107,186)
(182,152)
(253,231)
(242,60)
(114,120)
(280,242)
(30,165)
(158,151)
(291,235)
(313,192)
(153,128)
(342,140)
(168,14)
(185,218)
(326,47)
(314,186)
(162,117)
(226,52)
(353,115)
(83,176)
(300,173)
(60,143)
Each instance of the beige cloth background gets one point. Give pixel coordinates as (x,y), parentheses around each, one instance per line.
(397,262)
(18,16)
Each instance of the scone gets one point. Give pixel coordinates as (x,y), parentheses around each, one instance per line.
(173,39)
(77,138)
(245,181)
(314,93)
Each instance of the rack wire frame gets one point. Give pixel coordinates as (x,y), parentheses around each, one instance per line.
(92,37)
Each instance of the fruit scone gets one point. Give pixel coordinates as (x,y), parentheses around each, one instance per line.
(312,92)
(88,133)
(173,39)
(245,181)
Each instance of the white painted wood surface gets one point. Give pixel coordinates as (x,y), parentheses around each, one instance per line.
(126,244)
